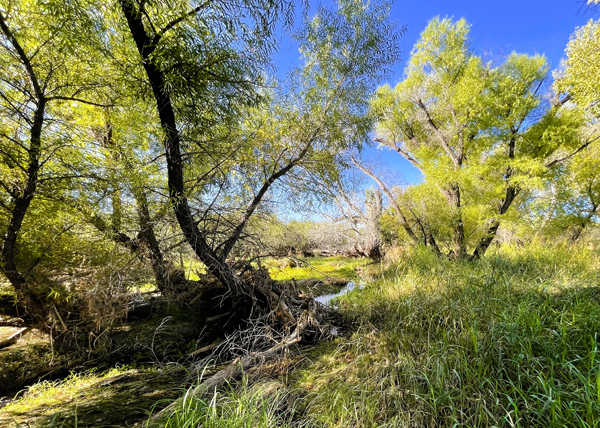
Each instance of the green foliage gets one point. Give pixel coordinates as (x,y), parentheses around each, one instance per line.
(573,197)
(581,75)
(480,133)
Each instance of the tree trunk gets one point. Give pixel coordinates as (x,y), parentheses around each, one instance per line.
(168,278)
(166,112)
(576,233)
(460,246)
(34,304)
(488,237)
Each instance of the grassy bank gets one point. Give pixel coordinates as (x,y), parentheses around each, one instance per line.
(316,267)
(510,341)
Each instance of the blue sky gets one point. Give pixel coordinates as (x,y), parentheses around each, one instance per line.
(497,27)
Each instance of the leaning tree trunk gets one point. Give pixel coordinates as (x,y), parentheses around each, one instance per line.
(494,224)
(577,231)
(146,46)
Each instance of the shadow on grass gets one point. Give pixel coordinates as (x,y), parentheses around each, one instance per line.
(118,400)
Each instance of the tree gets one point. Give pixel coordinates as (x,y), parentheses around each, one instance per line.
(571,202)
(326,110)
(45,71)
(421,223)
(481,134)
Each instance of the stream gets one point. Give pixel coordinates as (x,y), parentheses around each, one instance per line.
(327,298)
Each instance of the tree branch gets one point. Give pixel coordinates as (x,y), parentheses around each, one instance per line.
(402,152)
(78,100)
(455,158)
(582,147)
(390,196)
(176,21)
(39,93)
(227,246)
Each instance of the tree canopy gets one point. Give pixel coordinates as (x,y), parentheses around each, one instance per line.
(481,133)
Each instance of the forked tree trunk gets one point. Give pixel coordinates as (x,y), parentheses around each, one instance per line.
(494,225)
(453,195)
(147,246)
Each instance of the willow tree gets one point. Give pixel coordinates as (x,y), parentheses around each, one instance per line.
(325,111)
(580,79)
(46,72)
(480,133)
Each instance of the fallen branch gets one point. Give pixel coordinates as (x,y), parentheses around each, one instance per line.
(19,323)
(12,339)
(236,369)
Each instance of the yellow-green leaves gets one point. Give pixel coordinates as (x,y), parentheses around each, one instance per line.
(581,76)
(480,133)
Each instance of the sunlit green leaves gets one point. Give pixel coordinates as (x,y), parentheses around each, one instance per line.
(482,128)
(581,76)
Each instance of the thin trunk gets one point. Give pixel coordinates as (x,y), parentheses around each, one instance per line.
(147,235)
(460,246)
(576,234)
(511,193)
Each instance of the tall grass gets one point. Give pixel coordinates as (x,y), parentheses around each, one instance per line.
(264,405)
(510,341)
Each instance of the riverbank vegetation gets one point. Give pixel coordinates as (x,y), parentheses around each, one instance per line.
(172,203)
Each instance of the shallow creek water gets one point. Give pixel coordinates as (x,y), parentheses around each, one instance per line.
(326,299)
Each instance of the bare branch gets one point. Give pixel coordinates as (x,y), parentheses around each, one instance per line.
(78,100)
(579,149)
(455,158)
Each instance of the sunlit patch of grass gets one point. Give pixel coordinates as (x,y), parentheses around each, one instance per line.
(46,396)
(146,287)
(193,268)
(317,267)
(28,359)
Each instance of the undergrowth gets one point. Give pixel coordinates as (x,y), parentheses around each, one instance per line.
(508,341)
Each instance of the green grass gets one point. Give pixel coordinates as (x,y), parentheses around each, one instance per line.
(509,341)
(265,405)
(116,397)
(316,267)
